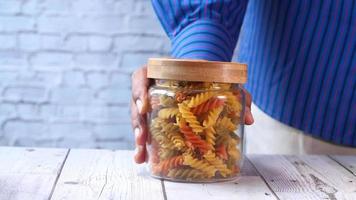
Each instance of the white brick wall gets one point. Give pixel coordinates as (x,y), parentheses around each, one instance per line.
(65,70)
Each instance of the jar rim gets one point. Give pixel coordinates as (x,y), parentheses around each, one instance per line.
(196,70)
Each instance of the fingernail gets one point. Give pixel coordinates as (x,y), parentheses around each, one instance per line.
(138,149)
(139,105)
(137,132)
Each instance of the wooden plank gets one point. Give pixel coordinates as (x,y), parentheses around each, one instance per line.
(305,177)
(248,169)
(249,186)
(29,173)
(105,174)
(349,162)
(245,187)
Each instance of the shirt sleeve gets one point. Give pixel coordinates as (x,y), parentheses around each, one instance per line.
(201,29)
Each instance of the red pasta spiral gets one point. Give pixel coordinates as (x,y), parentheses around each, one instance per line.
(193,139)
(208,105)
(221,152)
(164,166)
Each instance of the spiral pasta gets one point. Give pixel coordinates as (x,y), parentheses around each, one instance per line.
(217,163)
(167,164)
(167,113)
(187,174)
(208,105)
(193,140)
(201,165)
(199,99)
(190,118)
(194,134)
(212,117)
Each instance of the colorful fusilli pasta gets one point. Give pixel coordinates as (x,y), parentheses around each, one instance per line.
(195,134)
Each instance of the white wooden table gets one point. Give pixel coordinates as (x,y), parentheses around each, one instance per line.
(31,174)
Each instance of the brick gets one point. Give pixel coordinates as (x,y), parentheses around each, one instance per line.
(29,41)
(97,80)
(75,143)
(166,47)
(7,110)
(145,24)
(31,8)
(24,129)
(29,112)
(99,43)
(114,145)
(133,61)
(71,131)
(49,61)
(6,77)
(49,111)
(49,79)
(111,24)
(109,132)
(120,80)
(137,43)
(33,142)
(105,61)
(61,113)
(72,113)
(16,23)
(114,95)
(53,7)
(10,7)
(73,78)
(71,96)
(143,8)
(81,24)
(7,42)
(98,7)
(107,114)
(37,79)
(12,60)
(51,42)
(57,24)
(24,94)
(75,43)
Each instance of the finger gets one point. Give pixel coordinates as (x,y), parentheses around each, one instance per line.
(139,125)
(140,84)
(140,154)
(248,97)
(249,120)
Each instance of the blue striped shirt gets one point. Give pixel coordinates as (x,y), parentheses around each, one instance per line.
(301,55)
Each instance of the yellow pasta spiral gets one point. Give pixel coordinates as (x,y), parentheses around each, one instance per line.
(226,123)
(190,118)
(186,174)
(167,113)
(199,99)
(166,101)
(212,117)
(217,163)
(210,136)
(232,102)
(232,150)
(202,165)
(166,153)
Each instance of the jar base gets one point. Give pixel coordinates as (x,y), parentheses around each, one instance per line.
(232,178)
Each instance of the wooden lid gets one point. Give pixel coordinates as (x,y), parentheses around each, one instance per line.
(196,70)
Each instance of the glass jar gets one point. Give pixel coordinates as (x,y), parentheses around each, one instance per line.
(196,122)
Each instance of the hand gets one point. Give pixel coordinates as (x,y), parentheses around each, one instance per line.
(139,108)
(140,105)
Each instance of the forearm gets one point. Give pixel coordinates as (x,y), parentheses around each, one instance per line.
(206,30)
